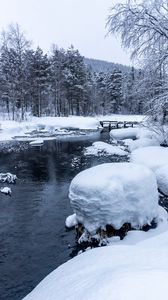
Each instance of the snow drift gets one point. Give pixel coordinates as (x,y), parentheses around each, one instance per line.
(152,157)
(102,148)
(114,194)
(135,268)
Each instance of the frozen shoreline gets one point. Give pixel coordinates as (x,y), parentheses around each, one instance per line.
(53,127)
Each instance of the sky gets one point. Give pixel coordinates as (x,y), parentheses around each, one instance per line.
(80,23)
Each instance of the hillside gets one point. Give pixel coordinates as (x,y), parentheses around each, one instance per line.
(104,66)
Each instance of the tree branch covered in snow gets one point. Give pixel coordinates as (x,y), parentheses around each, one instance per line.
(143,28)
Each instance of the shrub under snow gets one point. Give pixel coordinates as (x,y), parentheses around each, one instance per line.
(162,179)
(114,194)
(152,157)
(102,148)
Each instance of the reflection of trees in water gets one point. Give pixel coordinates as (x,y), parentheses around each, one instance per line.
(52,161)
(56,160)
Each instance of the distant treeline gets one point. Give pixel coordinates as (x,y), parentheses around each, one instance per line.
(61,83)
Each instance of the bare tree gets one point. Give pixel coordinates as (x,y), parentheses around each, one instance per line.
(143,28)
(13,47)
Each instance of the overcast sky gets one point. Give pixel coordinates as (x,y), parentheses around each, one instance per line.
(66,22)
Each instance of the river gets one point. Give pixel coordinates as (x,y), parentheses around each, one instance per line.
(33,237)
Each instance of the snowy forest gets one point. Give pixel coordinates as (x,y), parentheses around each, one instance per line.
(84,152)
(62,83)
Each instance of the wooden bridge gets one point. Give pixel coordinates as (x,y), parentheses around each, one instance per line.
(109,125)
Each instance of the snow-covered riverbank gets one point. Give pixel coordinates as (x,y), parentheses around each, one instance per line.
(52,127)
(135,268)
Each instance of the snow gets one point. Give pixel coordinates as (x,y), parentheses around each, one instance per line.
(153,157)
(10,129)
(102,148)
(141,143)
(139,132)
(8,177)
(6,190)
(71,221)
(162,179)
(112,194)
(37,142)
(134,268)
(138,137)
(122,118)
(124,133)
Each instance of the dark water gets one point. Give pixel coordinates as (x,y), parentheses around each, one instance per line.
(33,238)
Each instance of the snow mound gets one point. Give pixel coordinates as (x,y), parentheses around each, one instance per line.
(8,177)
(120,271)
(102,148)
(138,137)
(162,179)
(124,133)
(153,157)
(71,221)
(6,190)
(37,142)
(141,143)
(112,194)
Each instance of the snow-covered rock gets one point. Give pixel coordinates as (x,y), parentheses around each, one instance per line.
(114,194)
(8,177)
(6,190)
(135,268)
(138,137)
(71,221)
(124,133)
(102,148)
(37,142)
(162,179)
(141,143)
(153,157)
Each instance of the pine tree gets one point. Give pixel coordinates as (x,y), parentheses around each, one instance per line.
(114,91)
(75,79)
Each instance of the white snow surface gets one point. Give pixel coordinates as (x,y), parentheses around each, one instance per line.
(153,157)
(37,142)
(137,137)
(134,268)
(6,190)
(8,177)
(162,179)
(9,129)
(141,143)
(102,148)
(114,194)
(125,133)
(122,118)
(71,221)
